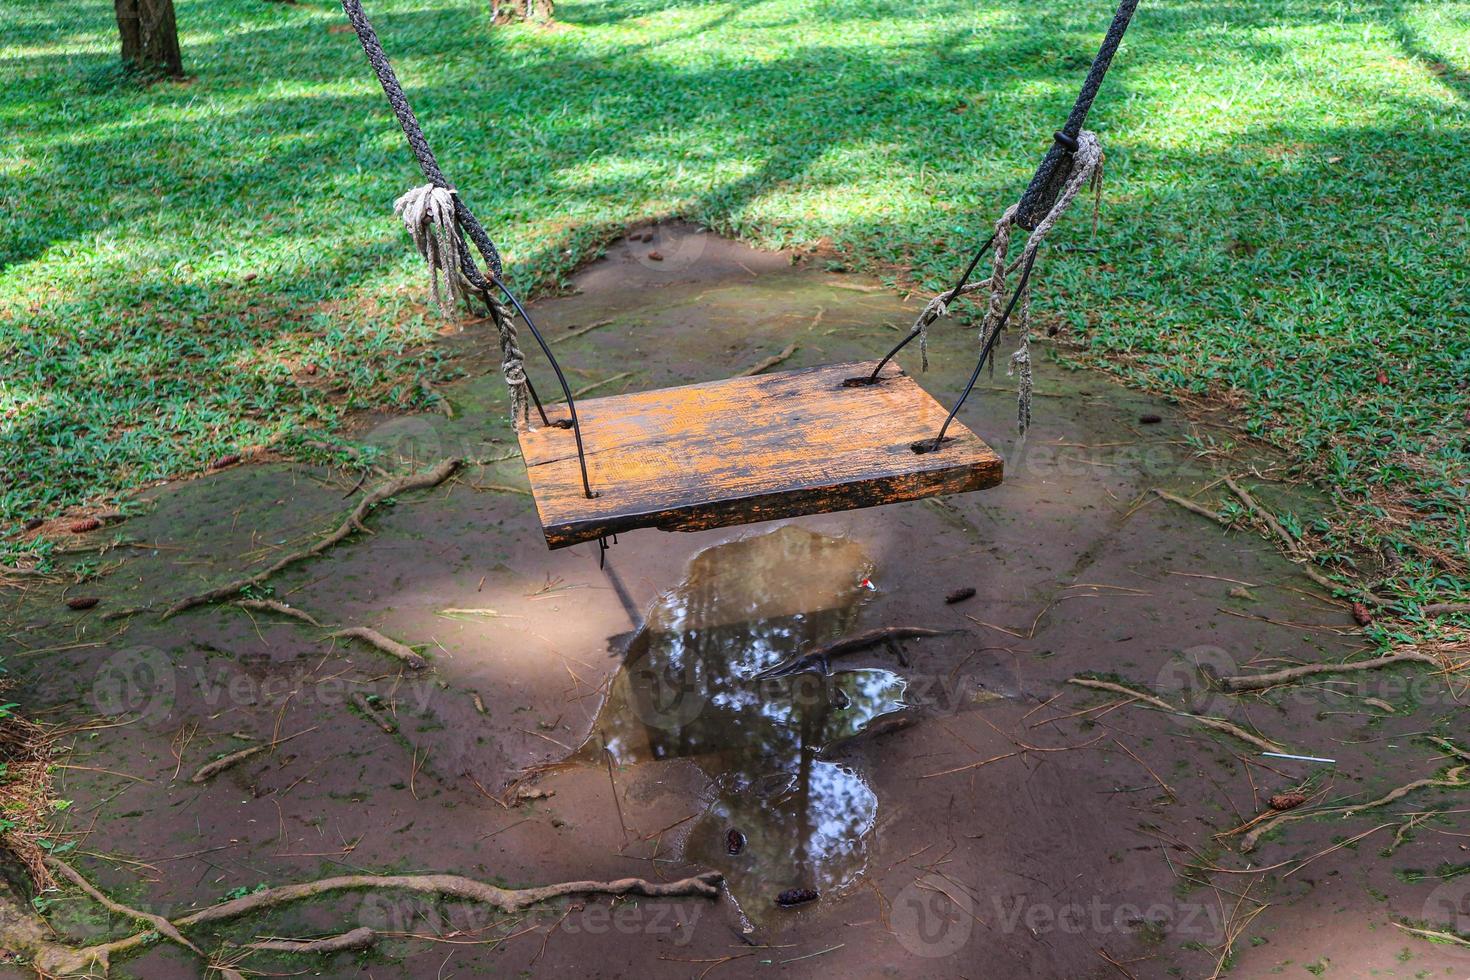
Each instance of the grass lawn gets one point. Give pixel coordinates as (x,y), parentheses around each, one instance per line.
(1284,219)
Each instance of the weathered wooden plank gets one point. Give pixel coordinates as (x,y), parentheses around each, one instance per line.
(749,449)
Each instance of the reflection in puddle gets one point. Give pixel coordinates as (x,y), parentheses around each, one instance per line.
(687,689)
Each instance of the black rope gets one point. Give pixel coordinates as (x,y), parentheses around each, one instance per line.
(429,165)
(1047,182)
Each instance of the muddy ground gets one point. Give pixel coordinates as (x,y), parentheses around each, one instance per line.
(629,694)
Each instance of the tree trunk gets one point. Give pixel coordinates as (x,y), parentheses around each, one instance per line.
(150,36)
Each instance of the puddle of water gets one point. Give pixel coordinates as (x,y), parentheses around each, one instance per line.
(688,689)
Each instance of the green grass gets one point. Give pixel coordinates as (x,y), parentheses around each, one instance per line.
(1284,214)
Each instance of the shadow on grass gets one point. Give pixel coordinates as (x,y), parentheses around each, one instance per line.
(138,355)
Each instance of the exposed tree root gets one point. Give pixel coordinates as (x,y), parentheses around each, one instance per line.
(271,605)
(391,647)
(1290,544)
(423,480)
(1434,935)
(382,720)
(769,362)
(1452,779)
(1190,505)
(1451,748)
(156,922)
(1257,682)
(705,885)
(370,636)
(20,930)
(1293,550)
(1218,724)
(360,938)
(209,770)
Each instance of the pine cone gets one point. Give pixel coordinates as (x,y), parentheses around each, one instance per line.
(1287,801)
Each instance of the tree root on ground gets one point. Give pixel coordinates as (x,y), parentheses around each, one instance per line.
(209,770)
(371,637)
(766,364)
(1257,682)
(271,605)
(360,938)
(1293,550)
(391,647)
(154,921)
(1290,544)
(1435,936)
(23,931)
(1218,724)
(423,480)
(1190,505)
(1453,779)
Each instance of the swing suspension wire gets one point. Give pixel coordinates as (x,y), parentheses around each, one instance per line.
(462,262)
(1050,191)
(1058,176)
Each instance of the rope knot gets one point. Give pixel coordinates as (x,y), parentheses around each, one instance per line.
(933,310)
(1086,163)
(428,213)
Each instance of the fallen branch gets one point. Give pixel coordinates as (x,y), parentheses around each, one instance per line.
(423,480)
(1257,682)
(1452,779)
(1218,724)
(391,647)
(588,389)
(581,330)
(360,938)
(769,362)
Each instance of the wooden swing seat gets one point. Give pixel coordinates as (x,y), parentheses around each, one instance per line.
(749,449)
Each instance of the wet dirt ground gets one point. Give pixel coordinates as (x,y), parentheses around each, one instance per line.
(620,710)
